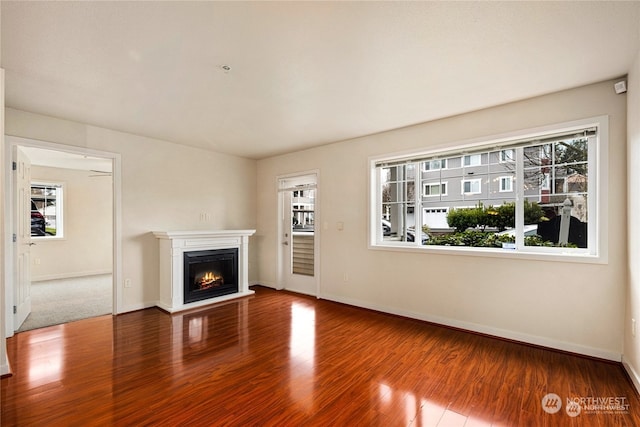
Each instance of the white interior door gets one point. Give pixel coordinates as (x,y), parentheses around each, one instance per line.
(299,234)
(22,293)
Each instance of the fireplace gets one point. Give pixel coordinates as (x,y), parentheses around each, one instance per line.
(219,263)
(209,274)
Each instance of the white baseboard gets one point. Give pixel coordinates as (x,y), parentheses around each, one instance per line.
(487,330)
(265,284)
(303,292)
(136,307)
(59,276)
(635,379)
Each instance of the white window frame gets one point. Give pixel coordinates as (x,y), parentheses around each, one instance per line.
(439,184)
(598,183)
(507,158)
(60,191)
(477,181)
(504,179)
(429,163)
(473,160)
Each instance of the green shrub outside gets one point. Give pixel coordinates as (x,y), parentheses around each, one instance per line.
(470,225)
(501,217)
(487,239)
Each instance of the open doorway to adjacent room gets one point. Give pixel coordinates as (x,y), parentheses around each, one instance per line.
(62,258)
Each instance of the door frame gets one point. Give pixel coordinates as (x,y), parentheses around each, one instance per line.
(280,231)
(9,220)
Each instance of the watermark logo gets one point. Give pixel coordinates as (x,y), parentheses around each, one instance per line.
(573,409)
(551,403)
(576,405)
(600,405)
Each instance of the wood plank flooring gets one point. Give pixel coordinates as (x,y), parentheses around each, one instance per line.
(281,359)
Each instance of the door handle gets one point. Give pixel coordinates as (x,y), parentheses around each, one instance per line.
(285,243)
(30,244)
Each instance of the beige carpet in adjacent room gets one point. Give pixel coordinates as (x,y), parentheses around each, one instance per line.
(65,300)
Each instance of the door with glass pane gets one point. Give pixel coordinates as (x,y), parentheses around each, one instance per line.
(298,233)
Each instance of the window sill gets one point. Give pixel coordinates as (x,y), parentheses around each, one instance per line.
(570,257)
(40,239)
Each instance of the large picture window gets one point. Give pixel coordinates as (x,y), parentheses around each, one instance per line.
(526,194)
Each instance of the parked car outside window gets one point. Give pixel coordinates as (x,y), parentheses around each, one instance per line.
(529,230)
(386,228)
(37,221)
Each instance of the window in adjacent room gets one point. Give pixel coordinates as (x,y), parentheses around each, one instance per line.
(46,210)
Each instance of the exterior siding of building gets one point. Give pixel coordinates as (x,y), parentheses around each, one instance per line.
(481,177)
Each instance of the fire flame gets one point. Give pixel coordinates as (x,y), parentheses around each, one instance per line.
(209,280)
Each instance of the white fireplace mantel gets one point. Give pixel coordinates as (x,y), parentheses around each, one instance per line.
(173,245)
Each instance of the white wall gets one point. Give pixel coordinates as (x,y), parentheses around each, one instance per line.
(165,186)
(572,306)
(631,342)
(86,246)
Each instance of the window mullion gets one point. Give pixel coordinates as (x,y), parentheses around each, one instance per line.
(404,200)
(379,205)
(593,196)
(519,194)
(417,204)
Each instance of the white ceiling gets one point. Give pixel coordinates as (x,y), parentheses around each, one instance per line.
(302,73)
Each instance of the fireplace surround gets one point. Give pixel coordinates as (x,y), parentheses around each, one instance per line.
(220,267)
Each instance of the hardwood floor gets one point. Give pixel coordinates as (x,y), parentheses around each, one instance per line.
(281,359)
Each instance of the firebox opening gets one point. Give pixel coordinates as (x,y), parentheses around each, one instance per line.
(210,274)
(209,280)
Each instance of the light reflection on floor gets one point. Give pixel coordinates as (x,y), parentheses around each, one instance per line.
(302,349)
(419,411)
(46,357)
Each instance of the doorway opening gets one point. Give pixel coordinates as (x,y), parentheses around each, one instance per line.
(75,192)
(299,233)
